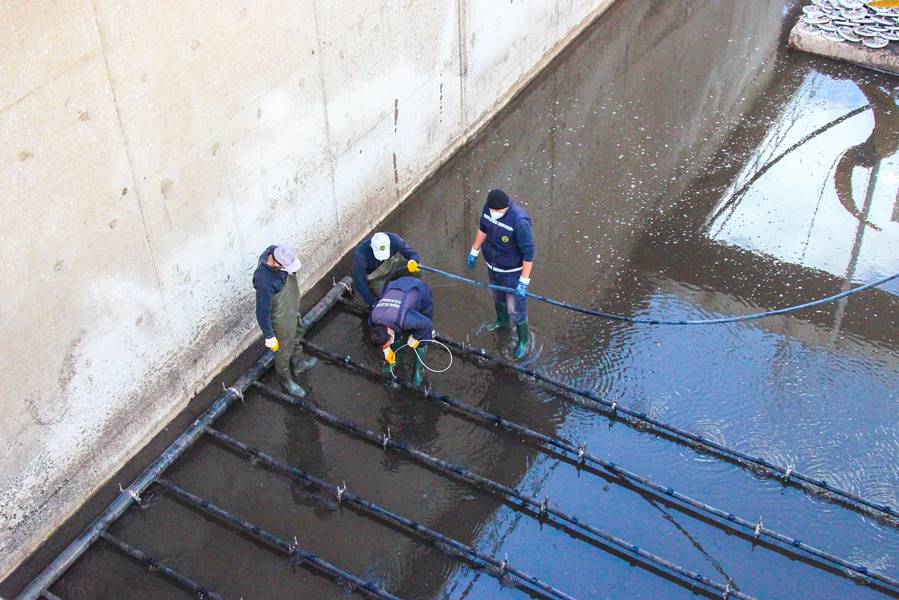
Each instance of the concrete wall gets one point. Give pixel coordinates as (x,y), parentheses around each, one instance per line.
(152,150)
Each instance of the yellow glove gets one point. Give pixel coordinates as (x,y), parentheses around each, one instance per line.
(412,266)
(412,342)
(272,344)
(390,356)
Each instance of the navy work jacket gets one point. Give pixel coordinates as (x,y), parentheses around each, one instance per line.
(510,239)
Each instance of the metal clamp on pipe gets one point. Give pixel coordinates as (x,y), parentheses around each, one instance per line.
(544,506)
(131,493)
(237,393)
(787,474)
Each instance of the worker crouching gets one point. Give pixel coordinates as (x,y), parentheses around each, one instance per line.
(380,259)
(404,309)
(278,314)
(506,236)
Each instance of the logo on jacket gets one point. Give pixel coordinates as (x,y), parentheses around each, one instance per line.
(505,239)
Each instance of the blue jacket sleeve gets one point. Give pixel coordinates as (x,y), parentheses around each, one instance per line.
(360,279)
(418,325)
(264,309)
(524,237)
(398,244)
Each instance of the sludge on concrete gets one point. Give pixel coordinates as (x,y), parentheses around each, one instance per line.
(151,154)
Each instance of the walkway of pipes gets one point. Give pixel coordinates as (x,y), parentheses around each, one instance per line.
(544,509)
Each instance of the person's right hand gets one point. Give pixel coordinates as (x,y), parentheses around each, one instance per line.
(272,344)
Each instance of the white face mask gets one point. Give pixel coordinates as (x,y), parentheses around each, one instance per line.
(497,214)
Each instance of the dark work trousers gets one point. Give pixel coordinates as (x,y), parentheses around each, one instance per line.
(518,306)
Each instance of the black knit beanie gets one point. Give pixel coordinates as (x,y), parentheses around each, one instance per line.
(497,199)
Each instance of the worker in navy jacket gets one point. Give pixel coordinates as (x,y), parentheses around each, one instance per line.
(380,259)
(506,236)
(278,314)
(404,309)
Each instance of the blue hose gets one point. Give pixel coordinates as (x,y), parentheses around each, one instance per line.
(648,321)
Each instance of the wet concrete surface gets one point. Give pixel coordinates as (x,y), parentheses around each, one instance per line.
(678,162)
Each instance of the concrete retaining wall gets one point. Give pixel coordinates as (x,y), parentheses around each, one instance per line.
(151,152)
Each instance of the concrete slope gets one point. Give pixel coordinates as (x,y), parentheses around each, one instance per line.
(151,154)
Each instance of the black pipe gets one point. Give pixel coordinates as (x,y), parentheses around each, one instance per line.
(643,422)
(481,560)
(132,494)
(154,564)
(293,552)
(545,508)
(722,518)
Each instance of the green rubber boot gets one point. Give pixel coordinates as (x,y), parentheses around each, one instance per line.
(524,339)
(418,376)
(502,317)
(291,387)
(300,363)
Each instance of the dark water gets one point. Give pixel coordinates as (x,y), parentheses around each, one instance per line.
(650,158)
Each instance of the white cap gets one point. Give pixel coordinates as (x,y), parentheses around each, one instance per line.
(380,245)
(287,258)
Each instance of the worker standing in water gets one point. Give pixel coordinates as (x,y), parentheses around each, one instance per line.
(404,309)
(506,236)
(379,260)
(278,314)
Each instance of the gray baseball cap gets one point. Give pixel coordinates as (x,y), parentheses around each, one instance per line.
(288,258)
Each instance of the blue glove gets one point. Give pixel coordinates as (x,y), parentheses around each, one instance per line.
(472,261)
(521,290)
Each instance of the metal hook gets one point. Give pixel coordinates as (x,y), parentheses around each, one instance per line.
(727,591)
(504,566)
(758,528)
(340,491)
(614,406)
(544,507)
(385,439)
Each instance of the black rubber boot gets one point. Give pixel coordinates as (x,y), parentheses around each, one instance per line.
(418,376)
(291,387)
(299,363)
(524,339)
(502,317)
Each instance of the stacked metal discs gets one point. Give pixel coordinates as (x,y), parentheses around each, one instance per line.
(850,21)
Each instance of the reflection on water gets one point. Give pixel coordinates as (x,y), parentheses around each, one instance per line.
(814,168)
(678,163)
